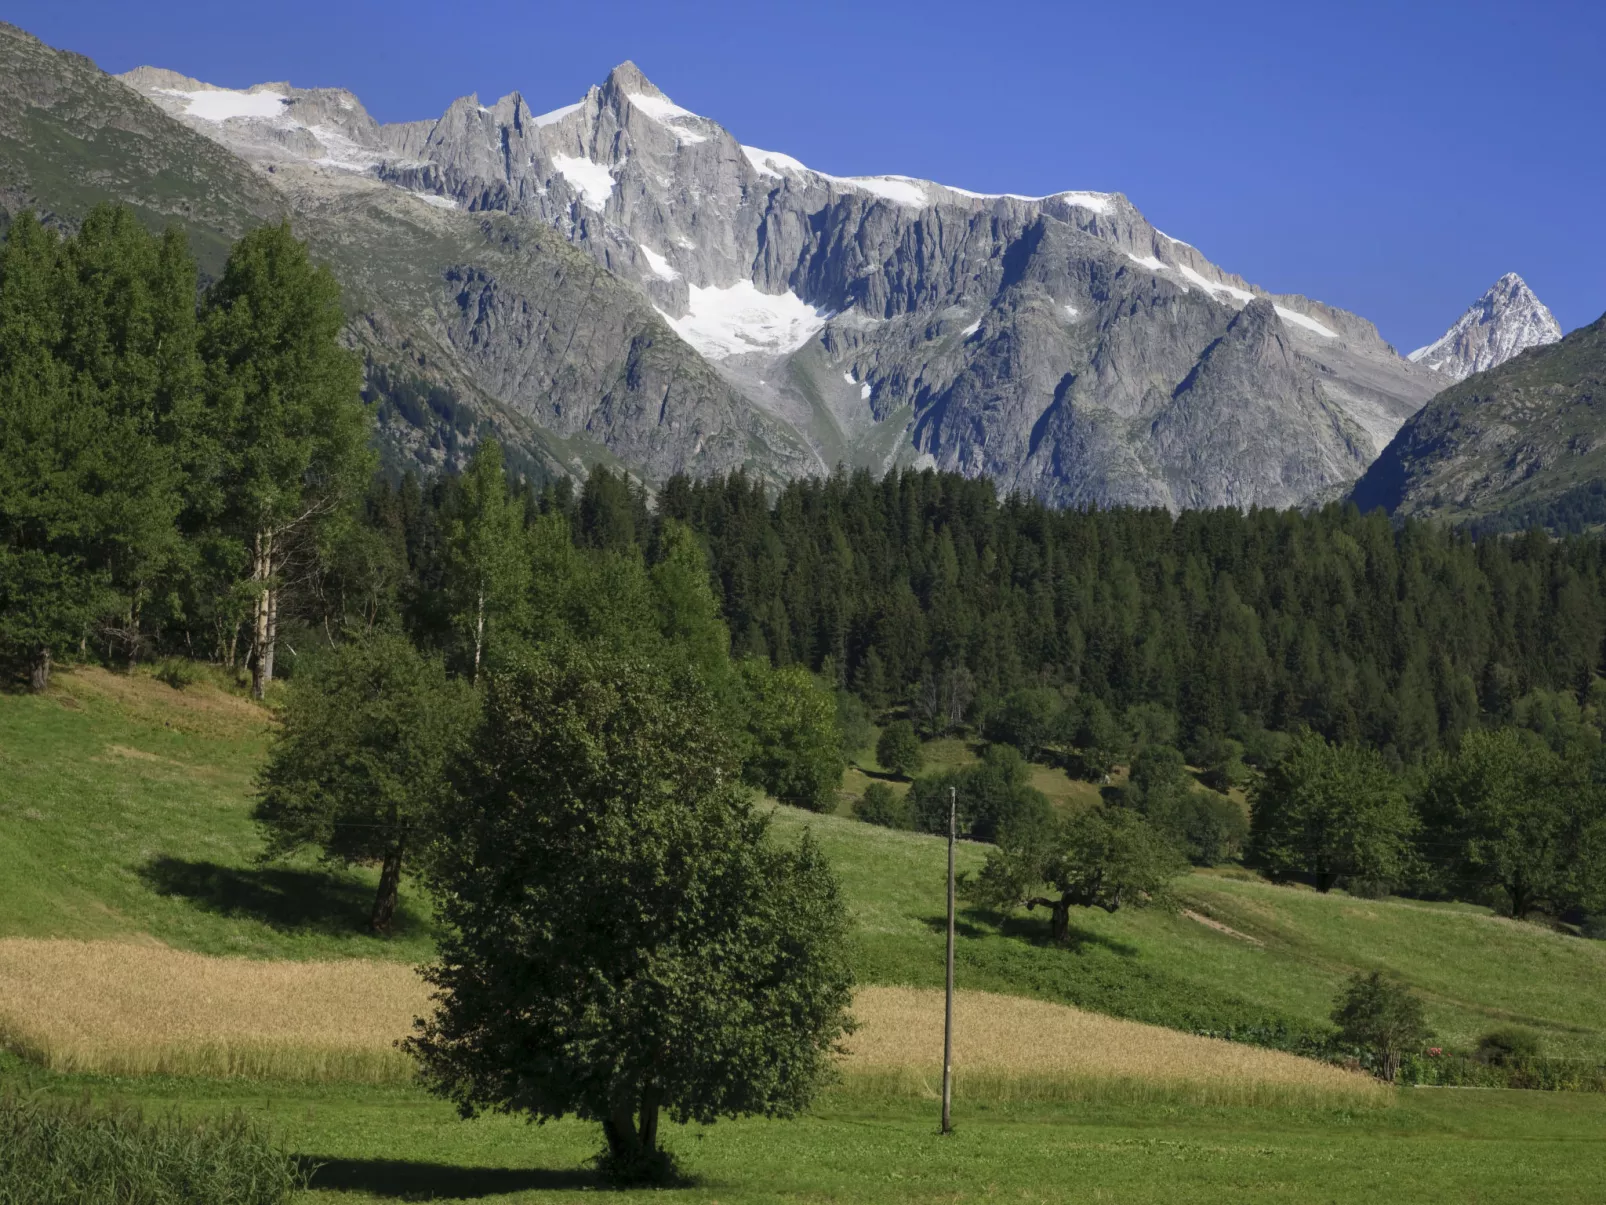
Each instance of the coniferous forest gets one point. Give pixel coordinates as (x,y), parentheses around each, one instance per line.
(185,473)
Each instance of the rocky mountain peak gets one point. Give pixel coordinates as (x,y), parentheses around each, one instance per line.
(627,79)
(1506,320)
(1059,343)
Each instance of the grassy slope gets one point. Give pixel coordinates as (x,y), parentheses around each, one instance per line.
(127,812)
(1432,1147)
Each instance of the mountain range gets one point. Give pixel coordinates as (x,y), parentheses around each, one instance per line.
(621,280)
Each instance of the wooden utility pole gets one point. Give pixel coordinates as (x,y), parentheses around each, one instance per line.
(948,1017)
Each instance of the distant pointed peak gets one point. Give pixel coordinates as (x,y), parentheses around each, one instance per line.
(627,79)
(1509,318)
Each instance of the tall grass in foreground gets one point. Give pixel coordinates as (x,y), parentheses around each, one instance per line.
(72,1154)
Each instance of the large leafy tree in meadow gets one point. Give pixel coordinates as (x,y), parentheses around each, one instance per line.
(622,937)
(358,766)
(284,448)
(48,591)
(1331,812)
(1507,812)
(1102,857)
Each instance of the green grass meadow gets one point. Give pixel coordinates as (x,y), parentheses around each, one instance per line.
(125,813)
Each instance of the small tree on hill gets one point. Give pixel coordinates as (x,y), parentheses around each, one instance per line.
(1027,719)
(358,766)
(487,558)
(898,749)
(794,749)
(1101,858)
(1381,1016)
(882,805)
(622,936)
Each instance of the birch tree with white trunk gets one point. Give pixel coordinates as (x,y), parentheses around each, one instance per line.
(287,428)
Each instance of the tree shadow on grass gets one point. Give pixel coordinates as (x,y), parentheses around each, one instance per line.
(281,897)
(882,775)
(1031,928)
(405,1180)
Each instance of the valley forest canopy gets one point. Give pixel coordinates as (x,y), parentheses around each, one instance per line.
(135,498)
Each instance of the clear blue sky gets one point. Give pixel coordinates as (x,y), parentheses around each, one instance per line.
(1391,158)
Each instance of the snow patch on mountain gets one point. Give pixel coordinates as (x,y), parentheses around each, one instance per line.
(662,109)
(773,163)
(222,104)
(737,319)
(1098,202)
(556,115)
(1306,321)
(659,265)
(1505,321)
(1211,286)
(593,181)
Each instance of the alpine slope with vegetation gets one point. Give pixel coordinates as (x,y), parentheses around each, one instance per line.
(1254,787)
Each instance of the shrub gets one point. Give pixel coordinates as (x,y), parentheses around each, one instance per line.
(1383,1017)
(73,1154)
(884,806)
(177,673)
(898,750)
(1509,1046)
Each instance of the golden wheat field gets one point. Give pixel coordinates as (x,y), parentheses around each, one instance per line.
(133,1008)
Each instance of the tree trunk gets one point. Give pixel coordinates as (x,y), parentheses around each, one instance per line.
(261,625)
(1521,899)
(624,1143)
(1390,1066)
(1325,880)
(649,1119)
(39,672)
(384,914)
(479,636)
(273,634)
(632,1145)
(1060,922)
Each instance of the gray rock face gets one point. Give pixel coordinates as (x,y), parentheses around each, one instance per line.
(1519,445)
(1060,345)
(1506,320)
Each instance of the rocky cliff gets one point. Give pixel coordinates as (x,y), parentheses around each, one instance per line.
(621,278)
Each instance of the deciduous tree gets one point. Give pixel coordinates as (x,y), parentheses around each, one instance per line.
(1099,858)
(358,766)
(285,450)
(1382,1016)
(1331,812)
(898,749)
(622,935)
